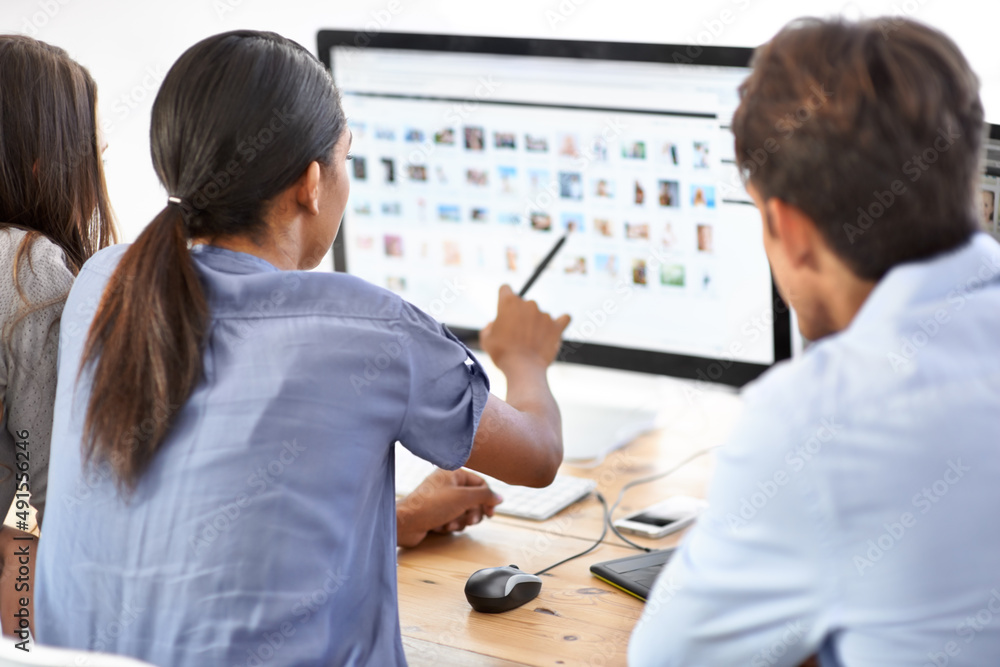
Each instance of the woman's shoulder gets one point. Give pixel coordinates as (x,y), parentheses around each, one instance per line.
(342,295)
(42,274)
(42,251)
(345,295)
(105,260)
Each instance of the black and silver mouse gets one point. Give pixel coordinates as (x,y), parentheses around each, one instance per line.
(497,589)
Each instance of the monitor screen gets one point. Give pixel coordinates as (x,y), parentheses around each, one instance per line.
(472,156)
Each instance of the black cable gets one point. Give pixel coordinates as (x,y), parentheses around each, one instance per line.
(645,480)
(604,516)
(624,539)
(608,512)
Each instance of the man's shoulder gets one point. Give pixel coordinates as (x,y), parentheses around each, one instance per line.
(796,384)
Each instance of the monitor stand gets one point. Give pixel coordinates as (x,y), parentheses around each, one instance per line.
(604,409)
(591,430)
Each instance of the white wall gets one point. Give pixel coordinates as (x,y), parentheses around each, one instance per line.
(128,45)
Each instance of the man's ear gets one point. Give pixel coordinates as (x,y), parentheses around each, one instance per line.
(794,230)
(307,188)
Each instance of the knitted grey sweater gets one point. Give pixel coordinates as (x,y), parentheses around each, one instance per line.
(28,361)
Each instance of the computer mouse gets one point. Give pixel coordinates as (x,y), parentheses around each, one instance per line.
(497,589)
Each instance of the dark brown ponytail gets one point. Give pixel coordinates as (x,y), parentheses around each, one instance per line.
(238,119)
(150,326)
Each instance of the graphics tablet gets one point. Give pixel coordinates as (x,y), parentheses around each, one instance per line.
(633,574)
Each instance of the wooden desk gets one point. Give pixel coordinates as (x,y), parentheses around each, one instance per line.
(577,619)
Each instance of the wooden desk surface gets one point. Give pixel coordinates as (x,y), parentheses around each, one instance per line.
(577,619)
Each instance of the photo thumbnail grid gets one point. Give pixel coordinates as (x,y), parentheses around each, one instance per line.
(491,191)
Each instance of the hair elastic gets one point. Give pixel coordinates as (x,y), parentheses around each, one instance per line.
(187,211)
(186,207)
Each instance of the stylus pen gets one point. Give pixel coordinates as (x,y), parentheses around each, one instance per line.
(544,263)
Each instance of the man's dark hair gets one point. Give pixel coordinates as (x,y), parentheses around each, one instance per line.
(873,129)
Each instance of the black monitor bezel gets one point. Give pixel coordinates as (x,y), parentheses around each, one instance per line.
(722,371)
(992,134)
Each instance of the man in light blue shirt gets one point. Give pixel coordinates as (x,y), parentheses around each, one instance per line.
(852,510)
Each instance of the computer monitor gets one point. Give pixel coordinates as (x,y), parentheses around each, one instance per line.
(473,155)
(991,182)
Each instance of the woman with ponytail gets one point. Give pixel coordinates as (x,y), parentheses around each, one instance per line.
(222,484)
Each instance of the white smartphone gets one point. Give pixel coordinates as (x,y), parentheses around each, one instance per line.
(663,518)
